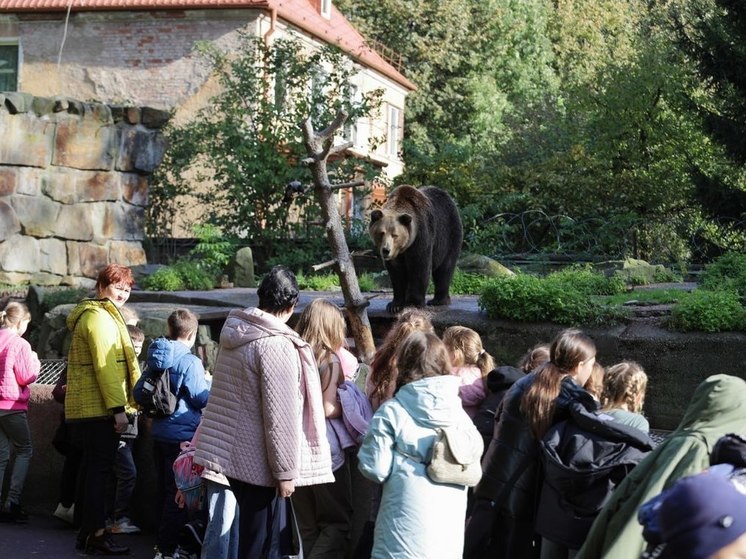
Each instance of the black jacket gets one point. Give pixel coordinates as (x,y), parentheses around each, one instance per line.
(499,381)
(584,457)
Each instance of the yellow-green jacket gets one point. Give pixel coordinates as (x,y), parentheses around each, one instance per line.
(102,367)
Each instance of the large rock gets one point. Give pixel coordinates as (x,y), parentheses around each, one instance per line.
(9,224)
(632,271)
(26,140)
(38,215)
(53,256)
(140,150)
(85,143)
(8,179)
(483,266)
(244,270)
(20,254)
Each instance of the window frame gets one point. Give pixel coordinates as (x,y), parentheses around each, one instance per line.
(325,8)
(10,42)
(393,136)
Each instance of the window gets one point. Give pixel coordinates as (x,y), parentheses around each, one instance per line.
(350,127)
(394,131)
(8,67)
(326,8)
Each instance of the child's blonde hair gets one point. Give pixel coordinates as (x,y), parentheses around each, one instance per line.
(625,384)
(466,347)
(595,383)
(534,358)
(322,325)
(13,314)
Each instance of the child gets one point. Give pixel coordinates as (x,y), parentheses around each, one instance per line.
(380,383)
(19,367)
(471,363)
(187,376)
(125,471)
(624,394)
(417,517)
(325,511)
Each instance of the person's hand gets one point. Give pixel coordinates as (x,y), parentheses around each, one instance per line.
(285,488)
(120,422)
(179,499)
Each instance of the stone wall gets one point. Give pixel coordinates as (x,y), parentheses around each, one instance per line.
(73,186)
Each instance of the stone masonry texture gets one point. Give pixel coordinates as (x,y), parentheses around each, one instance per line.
(73,186)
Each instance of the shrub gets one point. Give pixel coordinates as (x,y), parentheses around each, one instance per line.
(531,299)
(194,276)
(164,279)
(727,272)
(464,283)
(584,280)
(709,311)
(320,282)
(62,297)
(213,251)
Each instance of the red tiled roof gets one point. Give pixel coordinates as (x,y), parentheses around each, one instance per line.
(300,13)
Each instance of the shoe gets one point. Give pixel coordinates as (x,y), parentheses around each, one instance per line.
(12,512)
(104,545)
(123,526)
(66,514)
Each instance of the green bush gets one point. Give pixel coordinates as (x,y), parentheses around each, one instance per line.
(584,280)
(194,276)
(528,298)
(709,311)
(727,273)
(164,279)
(464,283)
(319,282)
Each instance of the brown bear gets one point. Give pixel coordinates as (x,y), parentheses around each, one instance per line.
(418,233)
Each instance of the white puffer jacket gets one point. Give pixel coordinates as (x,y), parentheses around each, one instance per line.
(264,421)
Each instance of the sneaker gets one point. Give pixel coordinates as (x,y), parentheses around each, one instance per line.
(123,526)
(104,545)
(12,512)
(66,514)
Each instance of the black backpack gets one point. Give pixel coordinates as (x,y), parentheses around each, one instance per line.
(157,399)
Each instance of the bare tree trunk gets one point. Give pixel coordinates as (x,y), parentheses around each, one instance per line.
(320,146)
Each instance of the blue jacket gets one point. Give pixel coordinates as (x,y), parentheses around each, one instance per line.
(417,518)
(189,384)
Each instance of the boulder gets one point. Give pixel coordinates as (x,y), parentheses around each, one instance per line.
(483,266)
(244,268)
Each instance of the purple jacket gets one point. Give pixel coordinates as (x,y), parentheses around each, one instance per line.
(19,367)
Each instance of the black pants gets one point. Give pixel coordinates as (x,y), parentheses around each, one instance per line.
(262,520)
(172,518)
(98,442)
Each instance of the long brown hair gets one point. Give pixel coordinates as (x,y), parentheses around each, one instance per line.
(569,349)
(383,369)
(466,345)
(421,355)
(322,325)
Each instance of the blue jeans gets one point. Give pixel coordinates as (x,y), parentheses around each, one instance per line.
(221,536)
(125,473)
(14,432)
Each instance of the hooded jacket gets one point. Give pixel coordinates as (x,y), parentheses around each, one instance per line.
(499,381)
(716,408)
(102,367)
(265,419)
(188,383)
(417,517)
(584,459)
(19,367)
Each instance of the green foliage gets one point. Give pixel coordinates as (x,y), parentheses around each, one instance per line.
(320,282)
(184,274)
(727,273)
(584,280)
(709,311)
(164,279)
(239,152)
(213,251)
(464,283)
(531,299)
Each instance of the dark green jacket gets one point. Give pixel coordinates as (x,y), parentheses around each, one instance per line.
(717,408)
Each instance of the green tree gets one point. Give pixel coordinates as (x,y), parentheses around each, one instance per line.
(241,150)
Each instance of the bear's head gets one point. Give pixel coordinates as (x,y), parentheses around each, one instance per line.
(392,232)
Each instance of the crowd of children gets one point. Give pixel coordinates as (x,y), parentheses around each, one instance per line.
(568,469)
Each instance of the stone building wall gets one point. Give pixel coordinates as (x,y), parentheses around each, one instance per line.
(73,186)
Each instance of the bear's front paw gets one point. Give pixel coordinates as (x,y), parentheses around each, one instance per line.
(444,302)
(394,307)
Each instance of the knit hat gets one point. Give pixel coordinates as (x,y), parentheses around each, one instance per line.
(729,449)
(700,515)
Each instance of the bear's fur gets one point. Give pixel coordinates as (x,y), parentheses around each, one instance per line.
(418,233)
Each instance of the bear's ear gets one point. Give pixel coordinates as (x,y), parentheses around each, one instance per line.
(375,215)
(405,219)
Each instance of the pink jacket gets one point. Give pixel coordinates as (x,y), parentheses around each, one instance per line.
(472,390)
(264,421)
(19,367)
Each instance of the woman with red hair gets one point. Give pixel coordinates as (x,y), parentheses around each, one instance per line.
(102,370)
